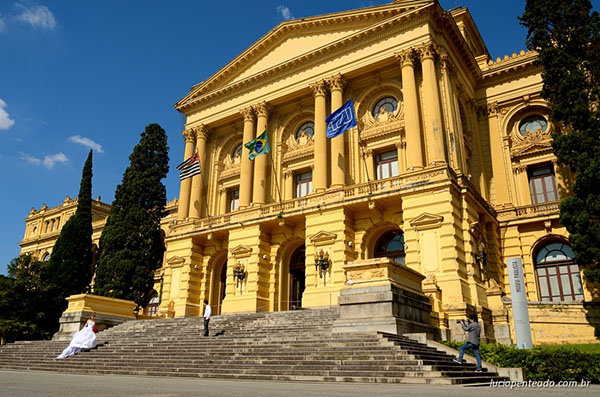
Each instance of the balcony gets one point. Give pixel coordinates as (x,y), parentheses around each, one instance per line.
(413,181)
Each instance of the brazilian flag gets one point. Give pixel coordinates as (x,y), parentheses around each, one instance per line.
(259,145)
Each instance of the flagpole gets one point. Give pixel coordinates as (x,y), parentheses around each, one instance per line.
(364,155)
(276,183)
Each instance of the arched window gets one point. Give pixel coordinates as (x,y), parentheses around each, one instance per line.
(308,128)
(533,124)
(391,245)
(237,151)
(558,275)
(152,306)
(46,257)
(389,103)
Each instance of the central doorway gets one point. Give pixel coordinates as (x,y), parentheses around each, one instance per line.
(297,277)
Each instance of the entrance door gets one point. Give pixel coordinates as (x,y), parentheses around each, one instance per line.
(222,287)
(297,277)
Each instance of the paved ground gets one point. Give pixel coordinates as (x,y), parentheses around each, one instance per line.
(52,384)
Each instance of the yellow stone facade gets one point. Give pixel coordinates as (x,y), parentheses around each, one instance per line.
(443,166)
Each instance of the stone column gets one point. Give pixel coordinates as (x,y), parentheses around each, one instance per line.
(247,165)
(338,153)
(320,158)
(198,180)
(261,164)
(412,125)
(431,98)
(186,185)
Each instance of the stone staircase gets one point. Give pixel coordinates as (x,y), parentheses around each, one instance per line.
(284,346)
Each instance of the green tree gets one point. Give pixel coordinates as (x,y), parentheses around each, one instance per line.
(69,269)
(131,246)
(566,34)
(24,310)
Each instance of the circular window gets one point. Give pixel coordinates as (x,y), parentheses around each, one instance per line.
(533,124)
(238,150)
(389,104)
(308,128)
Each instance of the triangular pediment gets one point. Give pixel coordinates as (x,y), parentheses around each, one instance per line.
(176,260)
(241,251)
(322,237)
(426,220)
(533,148)
(291,41)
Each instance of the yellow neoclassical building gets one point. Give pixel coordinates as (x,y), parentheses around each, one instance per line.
(448,172)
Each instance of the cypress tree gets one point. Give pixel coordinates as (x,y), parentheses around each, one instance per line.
(131,246)
(566,34)
(69,270)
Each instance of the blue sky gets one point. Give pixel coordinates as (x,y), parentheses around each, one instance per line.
(81,74)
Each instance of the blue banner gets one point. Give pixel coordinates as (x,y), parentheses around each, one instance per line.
(341,120)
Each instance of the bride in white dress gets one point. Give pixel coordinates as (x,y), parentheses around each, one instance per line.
(83,339)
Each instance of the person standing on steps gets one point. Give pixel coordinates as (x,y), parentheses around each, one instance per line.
(473,338)
(207,313)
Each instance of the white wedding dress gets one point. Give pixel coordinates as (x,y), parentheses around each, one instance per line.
(85,338)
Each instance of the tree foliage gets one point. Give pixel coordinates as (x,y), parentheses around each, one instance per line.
(25,303)
(131,245)
(69,269)
(566,34)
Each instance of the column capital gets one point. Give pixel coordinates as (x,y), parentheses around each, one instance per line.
(189,135)
(248,113)
(202,132)
(288,173)
(400,144)
(427,50)
(447,64)
(263,109)
(319,88)
(337,82)
(406,57)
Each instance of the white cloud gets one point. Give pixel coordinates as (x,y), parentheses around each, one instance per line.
(5,121)
(50,161)
(36,15)
(30,159)
(284,12)
(2,24)
(86,142)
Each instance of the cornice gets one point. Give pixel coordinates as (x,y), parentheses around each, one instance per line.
(401,21)
(510,68)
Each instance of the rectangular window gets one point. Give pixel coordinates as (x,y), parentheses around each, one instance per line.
(387,164)
(542,184)
(234,199)
(303,184)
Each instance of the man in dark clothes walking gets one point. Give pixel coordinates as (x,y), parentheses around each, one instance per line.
(473,330)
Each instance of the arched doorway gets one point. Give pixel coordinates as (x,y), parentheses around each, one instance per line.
(218,287)
(297,278)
